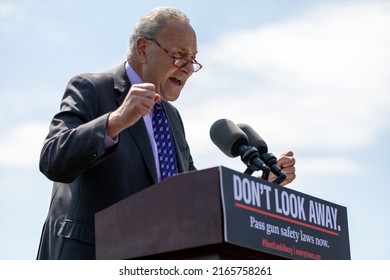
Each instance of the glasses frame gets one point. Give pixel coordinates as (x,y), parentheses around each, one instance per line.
(196,65)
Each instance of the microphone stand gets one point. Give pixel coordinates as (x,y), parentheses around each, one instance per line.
(251,157)
(250,171)
(271,161)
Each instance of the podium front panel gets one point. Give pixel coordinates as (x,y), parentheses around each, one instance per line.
(278,220)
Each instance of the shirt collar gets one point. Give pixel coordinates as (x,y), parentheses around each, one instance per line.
(132,75)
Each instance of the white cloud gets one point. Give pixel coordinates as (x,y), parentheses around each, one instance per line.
(330,165)
(21,145)
(319,81)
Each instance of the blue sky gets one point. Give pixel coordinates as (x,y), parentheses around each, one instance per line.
(311,76)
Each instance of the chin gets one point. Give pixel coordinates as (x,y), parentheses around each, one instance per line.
(170,97)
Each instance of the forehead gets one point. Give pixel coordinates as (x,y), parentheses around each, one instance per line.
(178,34)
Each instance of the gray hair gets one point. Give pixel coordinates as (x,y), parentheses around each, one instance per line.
(152,23)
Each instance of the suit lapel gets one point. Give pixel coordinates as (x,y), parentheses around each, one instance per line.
(138,131)
(140,135)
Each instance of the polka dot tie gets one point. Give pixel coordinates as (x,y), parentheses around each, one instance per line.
(164,141)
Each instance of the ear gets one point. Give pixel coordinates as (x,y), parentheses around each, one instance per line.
(141,49)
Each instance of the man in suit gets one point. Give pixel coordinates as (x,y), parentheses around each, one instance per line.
(101,147)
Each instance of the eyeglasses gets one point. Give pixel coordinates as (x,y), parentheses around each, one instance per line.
(179,61)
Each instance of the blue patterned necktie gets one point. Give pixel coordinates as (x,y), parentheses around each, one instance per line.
(164,141)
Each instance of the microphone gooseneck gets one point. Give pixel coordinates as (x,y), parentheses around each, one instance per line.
(254,139)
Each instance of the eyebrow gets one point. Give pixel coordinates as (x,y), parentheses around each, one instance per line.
(186,51)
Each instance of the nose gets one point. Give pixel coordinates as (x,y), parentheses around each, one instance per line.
(188,68)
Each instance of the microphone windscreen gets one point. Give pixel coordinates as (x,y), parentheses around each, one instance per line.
(228,137)
(254,139)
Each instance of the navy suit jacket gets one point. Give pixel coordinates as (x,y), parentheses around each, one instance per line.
(87,176)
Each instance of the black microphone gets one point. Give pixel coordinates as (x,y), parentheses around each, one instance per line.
(254,139)
(232,141)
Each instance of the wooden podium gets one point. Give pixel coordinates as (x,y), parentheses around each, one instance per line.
(179,218)
(219,213)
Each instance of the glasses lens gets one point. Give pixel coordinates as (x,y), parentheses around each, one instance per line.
(181,62)
(196,67)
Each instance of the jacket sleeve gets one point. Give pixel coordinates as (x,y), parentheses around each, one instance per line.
(75,141)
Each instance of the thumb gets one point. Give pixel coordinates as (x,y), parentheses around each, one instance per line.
(288,153)
(157,98)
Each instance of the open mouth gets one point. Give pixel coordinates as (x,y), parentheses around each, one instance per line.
(175,81)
